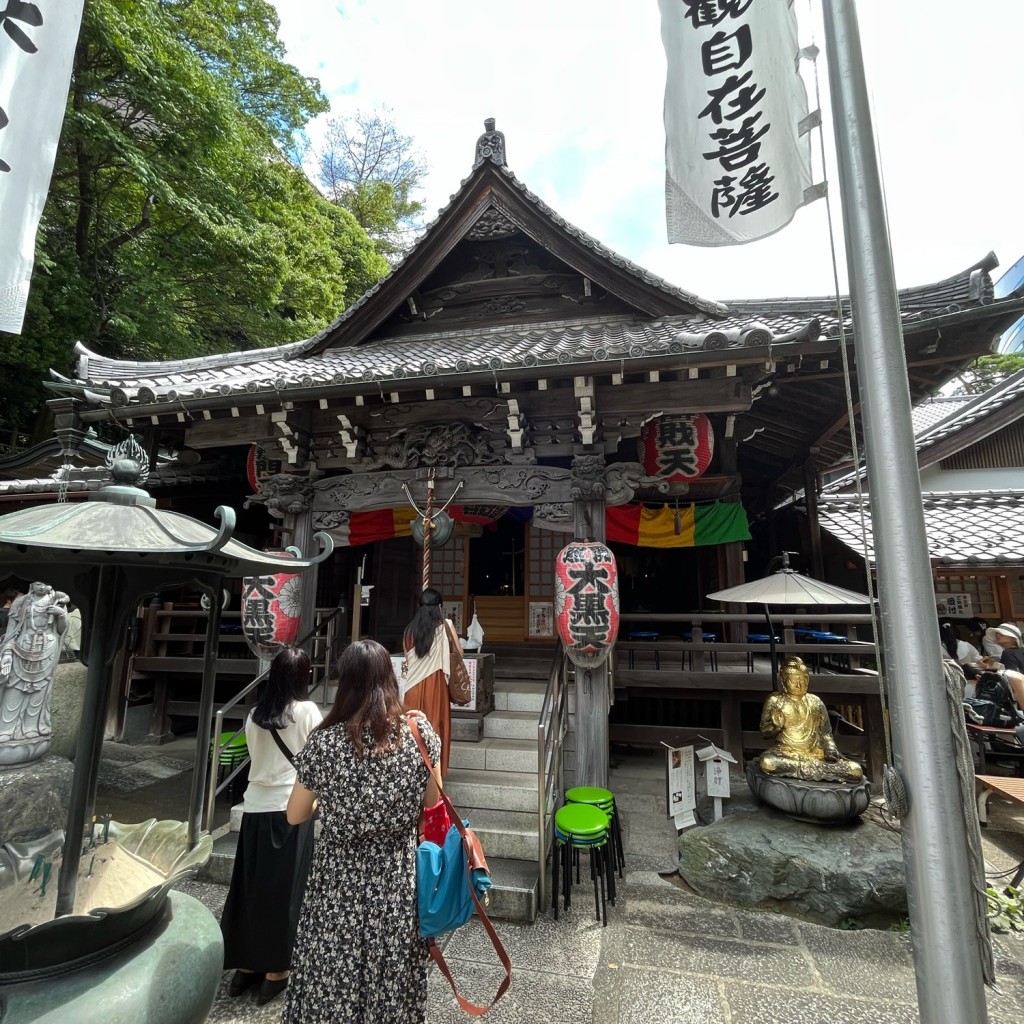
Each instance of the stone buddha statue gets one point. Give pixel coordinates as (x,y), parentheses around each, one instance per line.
(798,721)
(29,652)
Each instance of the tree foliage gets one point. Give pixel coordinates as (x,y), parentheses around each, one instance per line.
(988,371)
(368,167)
(174,226)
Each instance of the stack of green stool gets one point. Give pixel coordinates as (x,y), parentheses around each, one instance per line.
(603,800)
(581,827)
(233,752)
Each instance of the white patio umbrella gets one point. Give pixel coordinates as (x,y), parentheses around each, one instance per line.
(787,587)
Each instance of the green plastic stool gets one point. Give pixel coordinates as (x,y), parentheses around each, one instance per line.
(234,753)
(603,799)
(581,827)
(232,746)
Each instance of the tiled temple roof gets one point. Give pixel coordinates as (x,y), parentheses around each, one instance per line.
(562,342)
(429,355)
(975,528)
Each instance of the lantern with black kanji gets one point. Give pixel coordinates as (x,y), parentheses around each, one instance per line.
(676,448)
(271,610)
(587,601)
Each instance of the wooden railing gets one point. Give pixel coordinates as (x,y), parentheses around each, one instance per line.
(654,674)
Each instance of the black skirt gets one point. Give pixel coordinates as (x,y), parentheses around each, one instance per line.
(261,911)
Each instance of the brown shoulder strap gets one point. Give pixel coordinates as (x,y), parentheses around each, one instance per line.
(474,854)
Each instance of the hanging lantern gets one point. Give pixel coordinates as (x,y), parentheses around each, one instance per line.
(271,609)
(440,534)
(677,448)
(587,601)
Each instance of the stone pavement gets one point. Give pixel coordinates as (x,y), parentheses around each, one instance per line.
(669,955)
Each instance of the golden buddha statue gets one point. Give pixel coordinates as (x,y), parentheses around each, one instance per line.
(798,721)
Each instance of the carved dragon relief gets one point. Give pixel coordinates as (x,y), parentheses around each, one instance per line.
(283,494)
(624,479)
(448,444)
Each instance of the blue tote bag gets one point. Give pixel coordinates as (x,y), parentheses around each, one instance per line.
(452,881)
(444,896)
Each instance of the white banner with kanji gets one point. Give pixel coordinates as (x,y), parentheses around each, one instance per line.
(737,157)
(37,46)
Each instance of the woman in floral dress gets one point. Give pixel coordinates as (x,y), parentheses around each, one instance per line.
(358,957)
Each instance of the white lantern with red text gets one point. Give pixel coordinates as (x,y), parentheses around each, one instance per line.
(271,610)
(587,601)
(677,448)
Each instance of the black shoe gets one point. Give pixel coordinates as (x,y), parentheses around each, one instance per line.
(241,980)
(270,990)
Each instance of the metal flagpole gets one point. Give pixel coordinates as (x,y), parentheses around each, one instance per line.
(947,956)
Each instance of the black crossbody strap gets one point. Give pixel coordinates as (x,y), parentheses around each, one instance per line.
(282,746)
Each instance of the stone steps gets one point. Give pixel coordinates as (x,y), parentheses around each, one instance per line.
(513,896)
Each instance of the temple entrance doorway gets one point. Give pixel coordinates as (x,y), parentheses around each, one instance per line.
(497,581)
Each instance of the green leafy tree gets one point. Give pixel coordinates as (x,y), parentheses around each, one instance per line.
(987,371)
(174,225)
(370,168)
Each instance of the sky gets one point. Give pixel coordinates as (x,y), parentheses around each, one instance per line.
(577,88)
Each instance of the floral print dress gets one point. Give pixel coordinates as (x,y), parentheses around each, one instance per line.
(358,957)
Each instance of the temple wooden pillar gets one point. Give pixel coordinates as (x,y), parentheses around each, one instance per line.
(299,529)
(813,524)
(593,689)
(730,562)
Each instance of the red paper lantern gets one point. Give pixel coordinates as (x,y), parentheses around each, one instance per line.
(587,601)
(677,448)
(271,609)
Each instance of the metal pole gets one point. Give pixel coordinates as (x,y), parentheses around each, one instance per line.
(947,956)
(204,723)
(90,731)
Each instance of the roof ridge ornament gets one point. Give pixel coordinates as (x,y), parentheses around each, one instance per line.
(490,146)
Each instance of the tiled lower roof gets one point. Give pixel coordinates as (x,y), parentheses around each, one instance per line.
(1006,391)
(971,528)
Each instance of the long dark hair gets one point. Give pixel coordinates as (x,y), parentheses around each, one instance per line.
(287,681)
(423,628)
(368,697)
(949,638)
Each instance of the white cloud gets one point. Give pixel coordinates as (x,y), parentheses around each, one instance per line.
(577,88)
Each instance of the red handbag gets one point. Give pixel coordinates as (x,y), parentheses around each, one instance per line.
(435,822)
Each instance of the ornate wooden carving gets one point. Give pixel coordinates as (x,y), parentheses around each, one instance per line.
(283,493)
(624,479)
(493,485)
(588,477)
(494,222)
(444,444)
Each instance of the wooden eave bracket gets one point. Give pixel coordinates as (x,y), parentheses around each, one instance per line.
(583,388)
(516,426)
(353,437)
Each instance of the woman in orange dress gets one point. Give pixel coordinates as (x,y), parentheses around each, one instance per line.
(428,667)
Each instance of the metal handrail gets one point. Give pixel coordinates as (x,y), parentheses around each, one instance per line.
(213,790)
(552,725)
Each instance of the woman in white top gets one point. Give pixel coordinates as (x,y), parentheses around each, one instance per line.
(272,860)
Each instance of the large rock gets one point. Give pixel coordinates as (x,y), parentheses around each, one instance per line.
(758,858)
(66,707)
(34,799)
